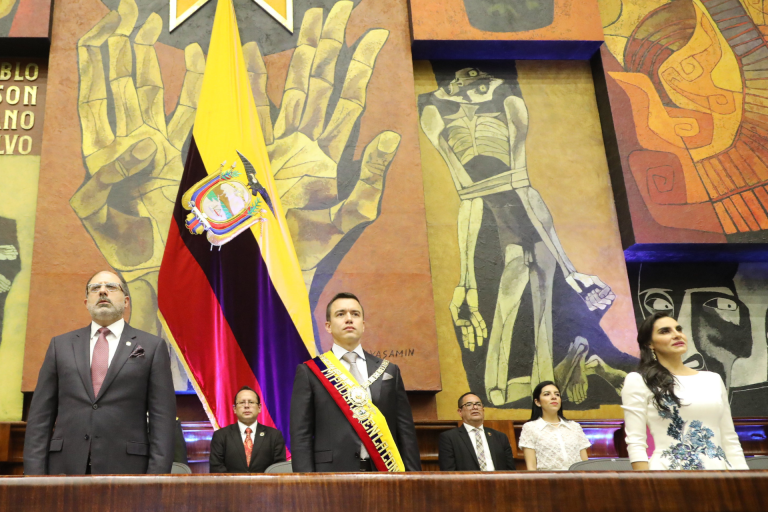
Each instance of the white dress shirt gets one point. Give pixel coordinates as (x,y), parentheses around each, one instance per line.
(113,338)
(243,426)
(339,352)
(488,459)
(361,366)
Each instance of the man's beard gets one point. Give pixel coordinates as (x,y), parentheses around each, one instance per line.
(106,313)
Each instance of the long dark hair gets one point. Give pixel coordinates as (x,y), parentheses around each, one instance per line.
(536,411)
(659,380)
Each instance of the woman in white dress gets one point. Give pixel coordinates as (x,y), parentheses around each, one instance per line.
(687,411)
(549,441)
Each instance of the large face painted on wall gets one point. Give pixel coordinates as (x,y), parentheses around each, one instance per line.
(521,310)
(325,106)
(694,157)
(722,309)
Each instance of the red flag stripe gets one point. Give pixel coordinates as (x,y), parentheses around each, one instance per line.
(218,384)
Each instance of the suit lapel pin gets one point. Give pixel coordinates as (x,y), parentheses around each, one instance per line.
(261,434)
(489,434)
(128,343)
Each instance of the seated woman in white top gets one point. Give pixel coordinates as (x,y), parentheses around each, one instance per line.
(549,441)
(687,411)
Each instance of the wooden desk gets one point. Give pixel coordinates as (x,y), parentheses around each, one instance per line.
(416,492)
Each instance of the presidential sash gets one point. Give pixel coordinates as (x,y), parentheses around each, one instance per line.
(353,400)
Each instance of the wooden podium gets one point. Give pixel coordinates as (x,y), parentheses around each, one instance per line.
(410,492)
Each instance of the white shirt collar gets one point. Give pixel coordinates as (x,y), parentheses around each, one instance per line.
(339,351)
(115,328)
(471,429)
(243,426)
(541,424)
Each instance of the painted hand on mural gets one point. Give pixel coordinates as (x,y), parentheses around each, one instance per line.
(132,156)
(570,373)
(473,330)
(596,366)
(5,284)
(307,148)
(134,161)
(595,293)
(8,252)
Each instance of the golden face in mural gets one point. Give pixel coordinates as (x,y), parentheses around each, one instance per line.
(134,156)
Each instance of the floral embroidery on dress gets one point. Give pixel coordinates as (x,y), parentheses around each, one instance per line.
(693,442)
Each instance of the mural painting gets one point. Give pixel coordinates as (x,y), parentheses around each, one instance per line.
(694,150)
(325,105)
(722,309)
(22,104)
(25,18)
(522,310)
(505,20)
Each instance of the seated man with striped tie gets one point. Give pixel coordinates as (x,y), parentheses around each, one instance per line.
(472,447)
(246,446)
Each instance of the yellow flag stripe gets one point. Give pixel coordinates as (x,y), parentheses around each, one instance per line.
(226,122)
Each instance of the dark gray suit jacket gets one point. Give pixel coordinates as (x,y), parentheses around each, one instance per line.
(457,450)
(66,421)
(322,438)
(228,450)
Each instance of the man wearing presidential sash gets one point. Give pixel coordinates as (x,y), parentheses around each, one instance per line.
(349,410)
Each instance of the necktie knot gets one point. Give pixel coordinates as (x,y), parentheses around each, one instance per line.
(103,331)
(350,357)
(248,431)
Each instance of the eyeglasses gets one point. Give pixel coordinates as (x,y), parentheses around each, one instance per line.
(247,402)
(473,405)
(111,287)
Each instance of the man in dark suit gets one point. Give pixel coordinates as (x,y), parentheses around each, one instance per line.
(246,446)
(472,447)
(322,439)
(104,401)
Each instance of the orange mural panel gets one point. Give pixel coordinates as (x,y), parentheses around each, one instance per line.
(686,83)
(485,20)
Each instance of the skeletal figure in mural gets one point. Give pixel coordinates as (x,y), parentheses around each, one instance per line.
(478,123)
(10,264)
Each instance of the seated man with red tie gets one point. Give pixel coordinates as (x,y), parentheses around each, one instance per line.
(246,446)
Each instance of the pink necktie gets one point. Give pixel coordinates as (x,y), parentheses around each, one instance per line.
(100,360)
(248,445)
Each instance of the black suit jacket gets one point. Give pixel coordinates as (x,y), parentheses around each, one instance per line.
(127,429)
(322,438)
(228,450)
(457,450)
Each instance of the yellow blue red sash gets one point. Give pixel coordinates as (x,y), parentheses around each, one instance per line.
(362,414)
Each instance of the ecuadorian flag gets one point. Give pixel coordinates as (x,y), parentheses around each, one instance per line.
(231,293)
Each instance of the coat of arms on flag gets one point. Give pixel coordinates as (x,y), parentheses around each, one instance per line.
(226,203)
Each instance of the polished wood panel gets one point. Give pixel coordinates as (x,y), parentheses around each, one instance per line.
(607,438)
(12,447)
(674,491)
